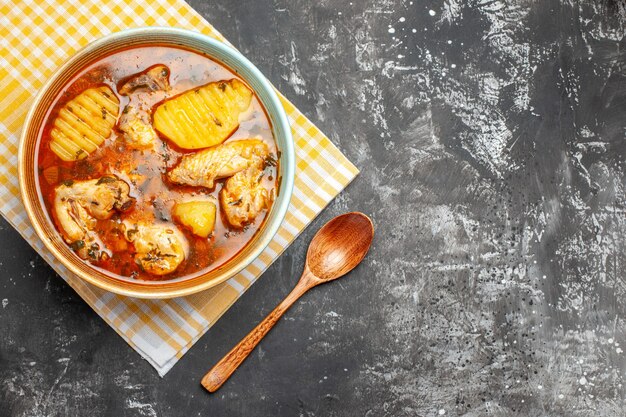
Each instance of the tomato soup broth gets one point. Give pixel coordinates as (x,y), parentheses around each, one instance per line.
(144,170)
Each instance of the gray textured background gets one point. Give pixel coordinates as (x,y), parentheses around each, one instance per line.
(491,139)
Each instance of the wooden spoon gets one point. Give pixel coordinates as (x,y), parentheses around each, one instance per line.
(335,250)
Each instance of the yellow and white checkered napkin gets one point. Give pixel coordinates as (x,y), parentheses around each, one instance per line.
(37,36)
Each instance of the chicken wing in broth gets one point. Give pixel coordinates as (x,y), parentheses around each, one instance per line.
(157,163)
(160,248)
(135,124)
(243,196)
(204,167)
(135,119)
(153,79)
(78,205)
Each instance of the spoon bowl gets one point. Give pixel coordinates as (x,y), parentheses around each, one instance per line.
(336,249)
(339,246)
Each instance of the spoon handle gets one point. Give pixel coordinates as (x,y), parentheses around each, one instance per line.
(220,373)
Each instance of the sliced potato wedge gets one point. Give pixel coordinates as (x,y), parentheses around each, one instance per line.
(205,116)
(83,123)
(197,215)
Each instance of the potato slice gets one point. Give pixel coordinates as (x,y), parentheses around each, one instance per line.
(203,117)
(197,215)
(83,123)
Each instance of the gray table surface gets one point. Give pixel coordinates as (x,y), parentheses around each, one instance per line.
(491,141)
